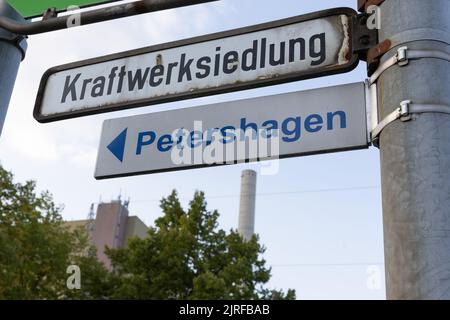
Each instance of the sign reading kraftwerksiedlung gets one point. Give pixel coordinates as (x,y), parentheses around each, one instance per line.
(292,49)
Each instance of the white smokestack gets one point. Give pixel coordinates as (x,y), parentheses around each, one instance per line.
(246,226)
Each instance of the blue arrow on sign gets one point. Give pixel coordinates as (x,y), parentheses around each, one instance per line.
(117,146)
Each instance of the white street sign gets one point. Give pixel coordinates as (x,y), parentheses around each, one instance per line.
(292,49)
(286,125)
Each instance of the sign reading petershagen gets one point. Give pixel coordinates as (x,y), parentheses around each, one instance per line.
(266,128)
(287,50)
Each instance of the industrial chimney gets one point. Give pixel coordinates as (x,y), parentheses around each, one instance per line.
(246,226)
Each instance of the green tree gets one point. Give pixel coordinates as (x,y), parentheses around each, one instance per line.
(36,248)
(186,256)
(96,281)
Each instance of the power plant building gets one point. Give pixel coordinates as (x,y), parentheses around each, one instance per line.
(112,227)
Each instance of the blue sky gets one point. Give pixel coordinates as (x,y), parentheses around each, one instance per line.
(319,217)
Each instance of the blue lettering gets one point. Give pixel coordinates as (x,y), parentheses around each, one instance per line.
(179,137)
(270,126)
(342,118)
(313,123)
(296,131)
(245,126)
(192,143)
(228,134)
(209,135)
(144,142)
(290,129)
(165,143)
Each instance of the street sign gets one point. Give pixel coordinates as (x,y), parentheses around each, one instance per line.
(292,49)
(35,8)
(279,126)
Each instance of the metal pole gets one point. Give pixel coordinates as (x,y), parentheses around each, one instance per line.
(96,15)
(415,155)
(12,52)
(246,226)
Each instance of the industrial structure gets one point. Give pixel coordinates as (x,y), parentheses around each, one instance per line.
(111,227)
(246,226)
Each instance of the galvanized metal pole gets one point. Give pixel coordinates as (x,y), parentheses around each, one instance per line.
(12,52)
(415,155)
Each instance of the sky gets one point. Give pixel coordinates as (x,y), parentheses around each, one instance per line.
(319,217)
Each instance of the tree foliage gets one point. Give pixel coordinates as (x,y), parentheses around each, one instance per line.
(36,248)
(184,256)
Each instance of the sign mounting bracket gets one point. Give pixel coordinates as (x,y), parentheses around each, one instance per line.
(363,38)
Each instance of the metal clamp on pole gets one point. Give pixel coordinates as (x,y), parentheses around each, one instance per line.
(18,41)
(403,56)
(404,112)
(12,51)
